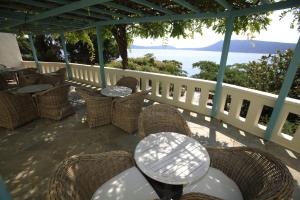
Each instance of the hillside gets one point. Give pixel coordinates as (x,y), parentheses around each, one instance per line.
(243,46)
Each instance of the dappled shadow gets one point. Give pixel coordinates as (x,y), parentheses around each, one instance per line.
(30,154)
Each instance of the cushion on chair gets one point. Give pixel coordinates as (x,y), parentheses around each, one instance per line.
(215,183)
(128,185)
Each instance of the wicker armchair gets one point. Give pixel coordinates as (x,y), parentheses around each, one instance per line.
(126,110)
(129,82)
(54,103)
(30,79)
(78,177)
(28,71)
(162,117)
(98,107)
(59,76)
(259,175)
(16,110)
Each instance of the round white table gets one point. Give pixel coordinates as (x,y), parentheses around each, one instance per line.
(172,158)
(29,89)
(116,91)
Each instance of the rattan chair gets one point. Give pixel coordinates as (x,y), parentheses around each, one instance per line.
(258,174)
(126,110)
(78,177)
(58,76)
(161,118)
(130,82)
(16,109)
(98,107)
(26,71)
(54,103)
(30,79)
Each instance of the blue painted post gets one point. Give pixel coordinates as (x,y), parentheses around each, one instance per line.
(34,53)
(63,41)
(287,83)
(4,195)
(220,77)
(100,55)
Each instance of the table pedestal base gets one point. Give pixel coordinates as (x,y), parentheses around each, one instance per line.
(165,191)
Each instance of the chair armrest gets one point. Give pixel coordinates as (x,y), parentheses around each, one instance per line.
(83,174)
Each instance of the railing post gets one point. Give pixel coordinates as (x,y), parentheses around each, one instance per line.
(63,42)
(287,83)
(34,53)
(220,77)
(100,55)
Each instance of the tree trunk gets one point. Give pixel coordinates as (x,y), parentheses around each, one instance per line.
(119,33)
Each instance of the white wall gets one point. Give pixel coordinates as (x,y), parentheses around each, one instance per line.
(10,54)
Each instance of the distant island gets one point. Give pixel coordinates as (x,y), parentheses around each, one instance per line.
(242,46)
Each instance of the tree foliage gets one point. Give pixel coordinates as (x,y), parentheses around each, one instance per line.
(266,74)
(149,63)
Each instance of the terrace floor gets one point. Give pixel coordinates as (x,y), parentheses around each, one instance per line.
(30,154)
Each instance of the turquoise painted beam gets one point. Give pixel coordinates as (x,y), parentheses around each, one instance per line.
(123,8)
(50,6)
(38,10)
(153,6)
(60,10)
(34,53)
(100,55)
(226,44)
(18,16)
(247,11)
(187,5)
(63,42)
(93,10)
(287,83)
(224,3)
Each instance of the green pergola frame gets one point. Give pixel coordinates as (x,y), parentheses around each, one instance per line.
(59,16)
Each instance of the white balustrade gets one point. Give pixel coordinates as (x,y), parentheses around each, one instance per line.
(195,97)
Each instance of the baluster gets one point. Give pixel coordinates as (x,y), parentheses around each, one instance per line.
(190,94)
(254,112)
(176,92)
(145,83)
(164,89)
(154,90)
(235,106)
(203,100)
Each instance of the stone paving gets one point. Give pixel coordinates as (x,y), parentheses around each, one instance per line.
(30,154)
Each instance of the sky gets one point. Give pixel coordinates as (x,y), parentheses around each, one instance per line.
(277,31)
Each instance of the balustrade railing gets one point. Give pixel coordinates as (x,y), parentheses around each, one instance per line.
(240,107)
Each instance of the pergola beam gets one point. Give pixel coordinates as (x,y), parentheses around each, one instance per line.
(235,13)
(224,3)
(17,16)
(36,9)
(47,5)
(187,5)
(60,10)
(92,9)
(153,6)
(121,7)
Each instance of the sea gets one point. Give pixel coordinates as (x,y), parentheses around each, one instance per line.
(188,57)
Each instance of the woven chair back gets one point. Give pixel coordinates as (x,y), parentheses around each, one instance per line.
(162,118)
(130,82)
